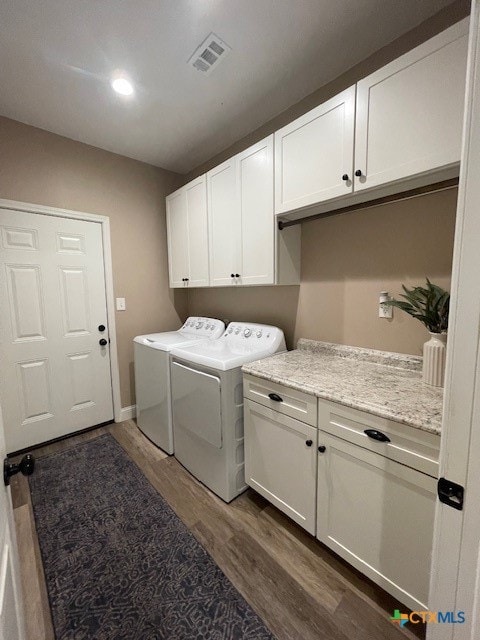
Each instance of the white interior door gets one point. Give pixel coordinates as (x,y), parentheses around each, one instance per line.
(455,583)
(314,153)
(57,377)
(255,187)
(11,611)
(224,224)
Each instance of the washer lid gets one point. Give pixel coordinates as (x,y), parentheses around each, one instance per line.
(240,343)
(168,340)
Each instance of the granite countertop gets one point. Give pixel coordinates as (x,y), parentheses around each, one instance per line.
(384,384)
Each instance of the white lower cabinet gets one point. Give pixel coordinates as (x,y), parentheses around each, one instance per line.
(377,514)
(281,461)
(364,485)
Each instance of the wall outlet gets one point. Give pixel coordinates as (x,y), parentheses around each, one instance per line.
(384,310)
(121,306)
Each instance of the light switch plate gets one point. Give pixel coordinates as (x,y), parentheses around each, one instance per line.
(121,306)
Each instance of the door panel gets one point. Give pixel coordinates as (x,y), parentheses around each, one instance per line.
(255,180)
(279,462)
(75,301)
(25,292)
(313,153)
(410,112)
(11,608)
(377,514)
(177,227)
(224,224)
(196,195)
(196,404)
(57,376)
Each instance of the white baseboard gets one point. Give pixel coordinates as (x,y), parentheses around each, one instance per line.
(127,413)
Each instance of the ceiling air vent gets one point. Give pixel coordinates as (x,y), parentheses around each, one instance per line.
(209,54)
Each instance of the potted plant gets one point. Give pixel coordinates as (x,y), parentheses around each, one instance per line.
(430,305)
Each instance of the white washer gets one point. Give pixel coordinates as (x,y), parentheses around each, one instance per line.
(207,403)
(152,375)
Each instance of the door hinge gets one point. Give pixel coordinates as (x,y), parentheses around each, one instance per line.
(450,493)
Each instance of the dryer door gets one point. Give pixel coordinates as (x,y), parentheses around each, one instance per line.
(196,403)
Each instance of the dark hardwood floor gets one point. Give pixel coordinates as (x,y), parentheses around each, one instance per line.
(301,589)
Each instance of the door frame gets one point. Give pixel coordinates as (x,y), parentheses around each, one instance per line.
(104,222)
(455,574)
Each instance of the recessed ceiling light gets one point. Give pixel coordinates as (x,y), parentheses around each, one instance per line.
(122,86)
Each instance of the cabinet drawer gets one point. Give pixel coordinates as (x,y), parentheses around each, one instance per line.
(406,445)
(291,402)
(281,462)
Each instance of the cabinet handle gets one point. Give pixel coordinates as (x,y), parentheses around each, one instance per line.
(237,275)
(322,448)
(309,443)
(275,397)
(345,177)
(232,275)
(358,173)
(102,342)
(376,435)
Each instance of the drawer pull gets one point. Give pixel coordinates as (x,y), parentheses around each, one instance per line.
(309,443)
(376,435)
(275,397)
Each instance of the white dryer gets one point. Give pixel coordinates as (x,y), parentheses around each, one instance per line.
(152,375)
(207,403)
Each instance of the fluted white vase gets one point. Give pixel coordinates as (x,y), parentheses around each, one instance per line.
(434,351)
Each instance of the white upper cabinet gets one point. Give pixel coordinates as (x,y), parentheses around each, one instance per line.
(224,225)
(255,194)
(314,155)
(177,231)
(187,231)
(410,113)
(196,196)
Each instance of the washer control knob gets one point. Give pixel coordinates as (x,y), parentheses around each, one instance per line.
(237,331)
(230,330)
(199,325)
(247,333)
(259,334)
(212,327)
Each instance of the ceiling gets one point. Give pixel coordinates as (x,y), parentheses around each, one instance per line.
(58,56)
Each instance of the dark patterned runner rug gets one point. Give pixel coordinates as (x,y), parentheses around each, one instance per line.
(119,563)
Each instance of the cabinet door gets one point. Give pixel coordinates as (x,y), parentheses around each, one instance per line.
(410,112)
(255,191)
(196,197)
(224,224)
(378,515)
(280,462)
(313,153)
(177,234)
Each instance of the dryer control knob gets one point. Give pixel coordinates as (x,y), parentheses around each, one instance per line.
(237,331)
(247,333)
(199,325)
(259,334)
(230,330)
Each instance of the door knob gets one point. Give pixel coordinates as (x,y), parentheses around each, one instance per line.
(102,342)
(26,466)
(101,327)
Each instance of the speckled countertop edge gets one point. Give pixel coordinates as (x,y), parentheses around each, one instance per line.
(384,384)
